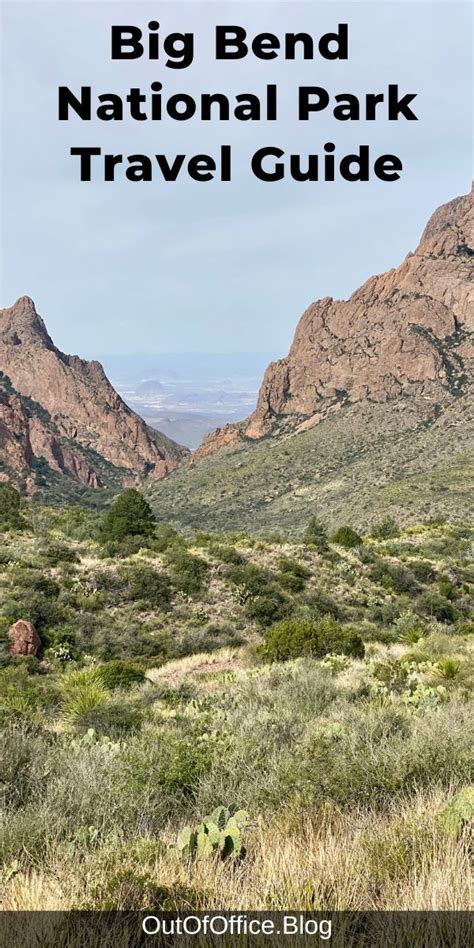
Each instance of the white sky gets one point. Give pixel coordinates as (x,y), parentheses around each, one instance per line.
(119,267)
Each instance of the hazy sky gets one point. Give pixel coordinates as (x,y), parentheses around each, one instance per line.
(118,267)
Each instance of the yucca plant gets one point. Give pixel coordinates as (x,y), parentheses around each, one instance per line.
(83,695)
(449,669)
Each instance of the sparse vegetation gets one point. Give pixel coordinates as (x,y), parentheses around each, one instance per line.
(257,681)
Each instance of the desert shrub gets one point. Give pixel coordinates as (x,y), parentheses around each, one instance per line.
(23,690)
(315,535)
(128,889)
(293,575)
(322,604)
(33,580)
(423,571)
(53,554)
(408,627)
(366,554)
(129,515)
(166,537)
(109,582)
(291,582)
(293,638)
(433,604)
(250,580)
(208,639)
(393,576)
(120,674)
(386,529)
(56,637)
(79,523)
(22,771)
(447,588)
(393,674)
(227,554)
(38,608)
(381,751)
(10,515)
(169,764)
(145,585)
(346,537)
(268,607)
(187,571)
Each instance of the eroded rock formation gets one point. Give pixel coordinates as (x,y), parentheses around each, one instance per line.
(404,334)
(75,405)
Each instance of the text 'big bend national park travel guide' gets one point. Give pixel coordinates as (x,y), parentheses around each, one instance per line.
(236,474)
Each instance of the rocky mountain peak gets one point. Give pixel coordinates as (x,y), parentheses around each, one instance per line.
(78,410)
(21,323)
(405,334)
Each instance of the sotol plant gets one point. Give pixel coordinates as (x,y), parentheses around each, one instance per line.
(220,832)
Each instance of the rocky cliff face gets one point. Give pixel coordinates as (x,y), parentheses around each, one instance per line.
(406,334)
(79,410)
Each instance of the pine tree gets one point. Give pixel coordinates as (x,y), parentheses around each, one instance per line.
(129,515)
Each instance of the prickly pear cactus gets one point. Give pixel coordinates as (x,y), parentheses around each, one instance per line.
(220,832)
(459,812)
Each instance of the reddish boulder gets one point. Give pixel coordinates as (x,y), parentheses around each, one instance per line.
(24,639)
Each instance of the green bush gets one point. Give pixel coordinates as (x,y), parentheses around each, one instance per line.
(322,604)
(38,608)
(346,537)
(144,584)
(120,674)
(10,516)
(266,608)
(386,529)
(187,571)
(315,535)
(56,553)
(227,554)
(393,576)
(84,698)
(423,571)
(250,580)
(129,516)
(293,638)
(293,575)
(436,606)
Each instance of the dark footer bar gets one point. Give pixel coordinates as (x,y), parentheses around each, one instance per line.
(338,929)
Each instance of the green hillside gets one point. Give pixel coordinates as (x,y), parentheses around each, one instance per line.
(319,687)
(347,469)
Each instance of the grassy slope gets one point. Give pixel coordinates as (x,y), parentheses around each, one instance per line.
(343,765)
(345,469)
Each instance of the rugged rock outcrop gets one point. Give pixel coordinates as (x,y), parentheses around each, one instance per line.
(24,639)
(406,334)
(77,406)
(26,434)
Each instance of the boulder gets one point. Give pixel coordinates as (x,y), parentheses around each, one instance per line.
(24,639)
